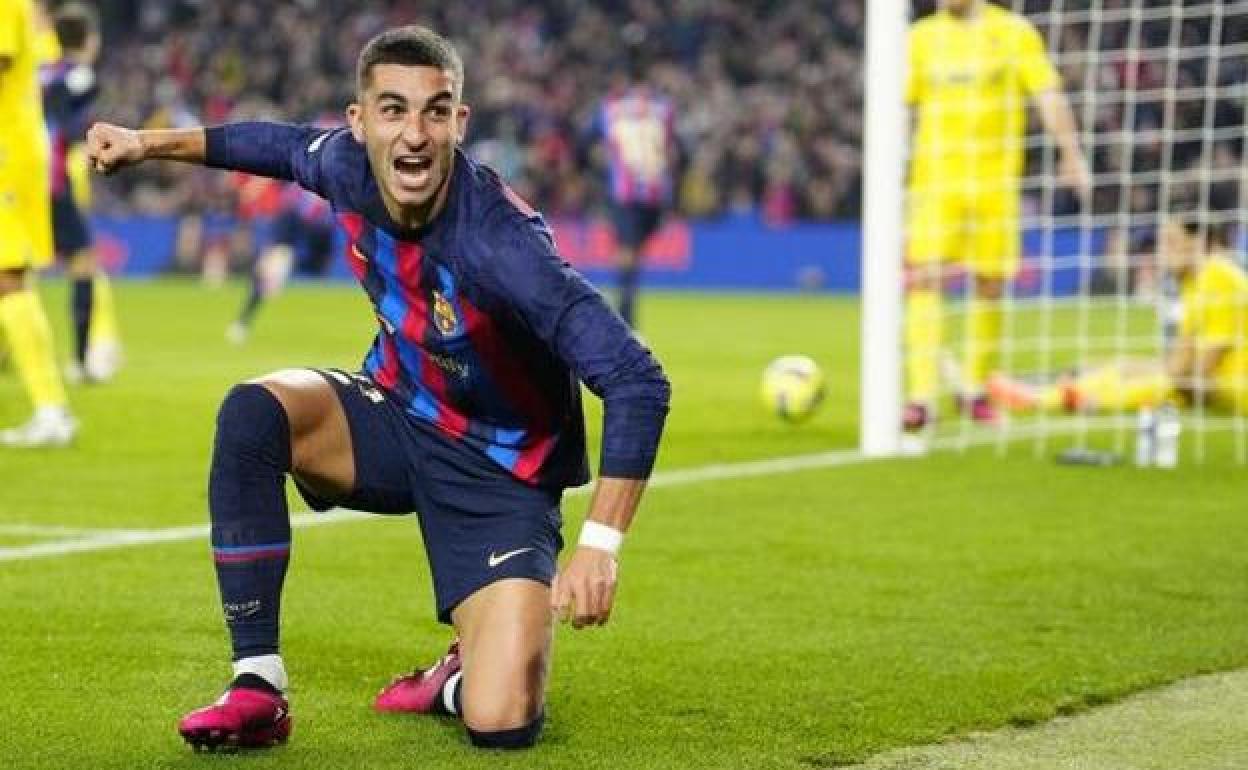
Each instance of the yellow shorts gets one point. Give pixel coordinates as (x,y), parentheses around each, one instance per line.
(972,222)
(25,217)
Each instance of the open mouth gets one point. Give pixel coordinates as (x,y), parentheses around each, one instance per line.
(413,170)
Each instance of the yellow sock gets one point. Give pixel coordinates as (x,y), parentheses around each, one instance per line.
(923,326)
(103,310)
(983,338)
(1109,389)
(25,324)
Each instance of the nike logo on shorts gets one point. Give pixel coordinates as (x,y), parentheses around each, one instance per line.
(497,559)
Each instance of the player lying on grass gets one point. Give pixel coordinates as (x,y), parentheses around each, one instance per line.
(1206,365)
(467,408)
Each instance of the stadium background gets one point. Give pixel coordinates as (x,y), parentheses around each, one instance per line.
(769,119)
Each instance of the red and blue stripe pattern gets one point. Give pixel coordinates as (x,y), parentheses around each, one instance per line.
(638,125)
(448,361)
(243,554)
(58,128)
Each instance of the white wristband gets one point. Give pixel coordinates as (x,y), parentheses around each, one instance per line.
(600,536)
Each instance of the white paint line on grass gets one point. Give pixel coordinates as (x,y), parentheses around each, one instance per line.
(104,540)
(101,540)
(52,530)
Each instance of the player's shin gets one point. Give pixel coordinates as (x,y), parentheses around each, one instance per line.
(983,339)
(923,329)
(23,321)
(250,519)
(80,313)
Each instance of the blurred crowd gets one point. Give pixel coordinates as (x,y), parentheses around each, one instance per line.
(768,104)
(769,94)
(1159,92)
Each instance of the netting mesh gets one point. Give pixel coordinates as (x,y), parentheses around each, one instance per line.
(1094,307)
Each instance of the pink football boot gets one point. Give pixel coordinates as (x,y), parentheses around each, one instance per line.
(419,691)
(242,718)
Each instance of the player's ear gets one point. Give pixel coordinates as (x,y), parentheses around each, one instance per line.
(462,113)
(355,120)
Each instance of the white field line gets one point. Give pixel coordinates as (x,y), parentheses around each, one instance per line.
(85,540)
(51,530)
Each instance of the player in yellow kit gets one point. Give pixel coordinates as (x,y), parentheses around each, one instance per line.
(1207,364)
(973,68)
(26,231)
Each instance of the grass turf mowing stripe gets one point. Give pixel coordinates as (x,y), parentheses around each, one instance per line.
(111,539)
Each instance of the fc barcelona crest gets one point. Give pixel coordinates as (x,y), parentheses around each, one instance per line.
(444,314)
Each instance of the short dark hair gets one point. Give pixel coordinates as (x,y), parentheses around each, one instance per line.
(411,46)
(74,23)
(1199,221)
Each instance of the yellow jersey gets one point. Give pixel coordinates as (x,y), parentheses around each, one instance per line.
(23,137)
(1214,301)
(968,82)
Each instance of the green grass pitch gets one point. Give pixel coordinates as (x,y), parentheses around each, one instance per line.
(799,620)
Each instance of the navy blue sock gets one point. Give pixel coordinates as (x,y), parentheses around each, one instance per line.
(252,305)
(80,311)
(250,519)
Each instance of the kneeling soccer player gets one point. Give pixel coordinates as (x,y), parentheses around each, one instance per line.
(467,408)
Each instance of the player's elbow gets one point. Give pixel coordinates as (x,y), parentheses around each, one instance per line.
(651,386)
(639,379)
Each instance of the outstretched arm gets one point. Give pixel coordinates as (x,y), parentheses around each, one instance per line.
(276,150)
(110,147)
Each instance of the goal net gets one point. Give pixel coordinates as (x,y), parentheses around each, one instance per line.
(1009,297)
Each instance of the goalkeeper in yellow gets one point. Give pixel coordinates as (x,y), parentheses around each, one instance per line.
(1208,362)
(26,231)
(973,68)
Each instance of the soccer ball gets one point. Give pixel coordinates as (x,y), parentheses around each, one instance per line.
(792,387)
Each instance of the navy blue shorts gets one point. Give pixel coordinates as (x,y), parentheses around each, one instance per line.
(70,233)
(480,524)
(635,222)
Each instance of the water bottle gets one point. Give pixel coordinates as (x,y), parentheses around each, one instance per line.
(1145,437)
(1166,442)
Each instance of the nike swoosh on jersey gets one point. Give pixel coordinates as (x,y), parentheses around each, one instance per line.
(497,559)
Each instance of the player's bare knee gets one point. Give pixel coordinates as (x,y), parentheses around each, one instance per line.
(505,708)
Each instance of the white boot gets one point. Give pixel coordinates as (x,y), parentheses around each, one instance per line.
(104,358)
(51,426)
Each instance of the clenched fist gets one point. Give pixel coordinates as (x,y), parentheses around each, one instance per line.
(112,147)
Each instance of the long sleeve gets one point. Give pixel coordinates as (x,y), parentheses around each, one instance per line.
(575,322)
(276,150)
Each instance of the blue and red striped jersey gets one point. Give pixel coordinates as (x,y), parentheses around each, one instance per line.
(483,330)
(638,126)
(68,89)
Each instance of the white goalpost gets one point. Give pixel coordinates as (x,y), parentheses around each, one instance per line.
(1158,90)
(884,137)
